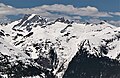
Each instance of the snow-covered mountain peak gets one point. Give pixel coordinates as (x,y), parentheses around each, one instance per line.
(29,21)
(52,45)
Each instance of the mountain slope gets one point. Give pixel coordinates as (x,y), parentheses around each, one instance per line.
(52,45)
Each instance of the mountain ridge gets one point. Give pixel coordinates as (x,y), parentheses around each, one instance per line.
(52,45)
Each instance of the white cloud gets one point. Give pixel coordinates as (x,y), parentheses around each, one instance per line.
(4,19)
(54,11)
(70,9)
(94,20)
(115,13)
(117,23)
(6,10)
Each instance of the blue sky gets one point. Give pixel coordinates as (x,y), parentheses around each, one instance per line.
(102,5)
(103,9)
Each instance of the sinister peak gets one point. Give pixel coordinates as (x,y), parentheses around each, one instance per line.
(30,20)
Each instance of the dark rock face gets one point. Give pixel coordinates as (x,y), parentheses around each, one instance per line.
(2,33)
(28,35)
(19,69)
(49,62)
(85,65)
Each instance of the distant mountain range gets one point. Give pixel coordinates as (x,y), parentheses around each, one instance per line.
(34,47)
